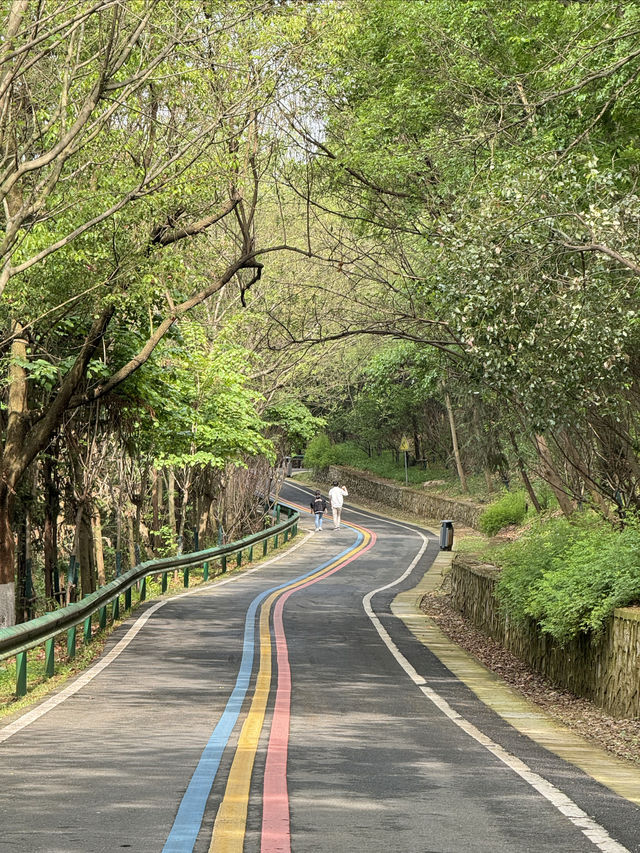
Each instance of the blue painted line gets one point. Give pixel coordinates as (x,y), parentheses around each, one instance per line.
(186,826)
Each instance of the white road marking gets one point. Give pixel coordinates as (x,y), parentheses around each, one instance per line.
(88,675)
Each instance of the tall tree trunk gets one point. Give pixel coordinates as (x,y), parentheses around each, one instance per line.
(50,535)
(131,537)
(171,504)
(183,511)
(416,439)
(477,422)
(454,439)
(206,507)
(567,505)
(12,468)
(581,467)
(96,525)
(7,558)
(523,473)
(23,568)
(156,504)
(86,552)
(83,549)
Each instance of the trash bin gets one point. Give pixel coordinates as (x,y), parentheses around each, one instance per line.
(446,535)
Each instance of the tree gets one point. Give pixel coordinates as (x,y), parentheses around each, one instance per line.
(127,131)
(476,178)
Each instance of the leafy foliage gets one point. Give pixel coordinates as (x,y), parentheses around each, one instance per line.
(570,576)
(319,453)
(511,508)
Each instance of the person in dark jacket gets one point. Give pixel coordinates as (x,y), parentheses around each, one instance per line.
(318,506)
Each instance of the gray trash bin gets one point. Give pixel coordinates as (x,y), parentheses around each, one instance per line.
(446,535)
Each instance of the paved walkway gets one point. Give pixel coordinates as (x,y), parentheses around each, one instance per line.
(616,774)
(288,707)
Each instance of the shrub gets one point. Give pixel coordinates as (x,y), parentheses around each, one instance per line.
(570,576)
(318,454)
(511,508)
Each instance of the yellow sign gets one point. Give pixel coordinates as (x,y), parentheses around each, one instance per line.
(404,444)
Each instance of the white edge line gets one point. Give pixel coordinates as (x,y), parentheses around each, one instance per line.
(88,675)
(597,834)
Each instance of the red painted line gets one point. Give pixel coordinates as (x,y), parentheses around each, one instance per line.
(276,827)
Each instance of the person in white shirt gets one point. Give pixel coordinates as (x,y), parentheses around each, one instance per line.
(337,494)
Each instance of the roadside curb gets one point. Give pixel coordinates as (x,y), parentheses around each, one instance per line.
(523,715)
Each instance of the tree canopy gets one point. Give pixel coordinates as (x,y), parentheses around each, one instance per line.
(227,226)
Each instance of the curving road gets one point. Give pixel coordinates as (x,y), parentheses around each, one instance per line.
(286,708)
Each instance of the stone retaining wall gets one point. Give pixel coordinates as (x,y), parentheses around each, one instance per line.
(428,505)
(605,670)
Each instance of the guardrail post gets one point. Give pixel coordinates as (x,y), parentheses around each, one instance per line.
(21,674)
(127,599)
(164,581)
(275,541)
(250,554)
(286,535)
(239,558)
(86,634)
(277,513)
(103,617)
(71,643)
(49,657)
(115,613)
(185,580)
(143,589)
(205,571)
(224,563)
(265,546)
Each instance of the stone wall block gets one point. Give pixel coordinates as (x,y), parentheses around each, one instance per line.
(429,505)
(604,669)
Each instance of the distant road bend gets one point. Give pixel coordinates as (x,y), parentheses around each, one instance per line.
(286,709)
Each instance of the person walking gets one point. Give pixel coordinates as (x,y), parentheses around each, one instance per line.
(318,506)
(337,494)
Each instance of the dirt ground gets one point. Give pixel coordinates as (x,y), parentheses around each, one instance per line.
(620,737)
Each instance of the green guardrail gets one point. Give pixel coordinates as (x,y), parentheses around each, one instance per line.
(17,640)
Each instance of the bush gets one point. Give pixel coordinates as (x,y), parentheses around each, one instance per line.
(570,576)
(318,454)
(511,508)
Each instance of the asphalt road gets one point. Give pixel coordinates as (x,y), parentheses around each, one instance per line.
(287,709)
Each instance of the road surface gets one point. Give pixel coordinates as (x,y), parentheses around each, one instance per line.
(285,708)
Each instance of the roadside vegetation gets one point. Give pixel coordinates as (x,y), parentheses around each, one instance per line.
(230,228)
(568,575)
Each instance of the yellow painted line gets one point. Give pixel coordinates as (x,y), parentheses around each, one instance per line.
(230,826)
(615,773)
(229,829)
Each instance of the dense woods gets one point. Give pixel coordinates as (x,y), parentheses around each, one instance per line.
(227,226)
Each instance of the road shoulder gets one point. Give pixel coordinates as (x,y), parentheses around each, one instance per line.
(616,774)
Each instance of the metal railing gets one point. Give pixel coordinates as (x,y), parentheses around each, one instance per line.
(17,640)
